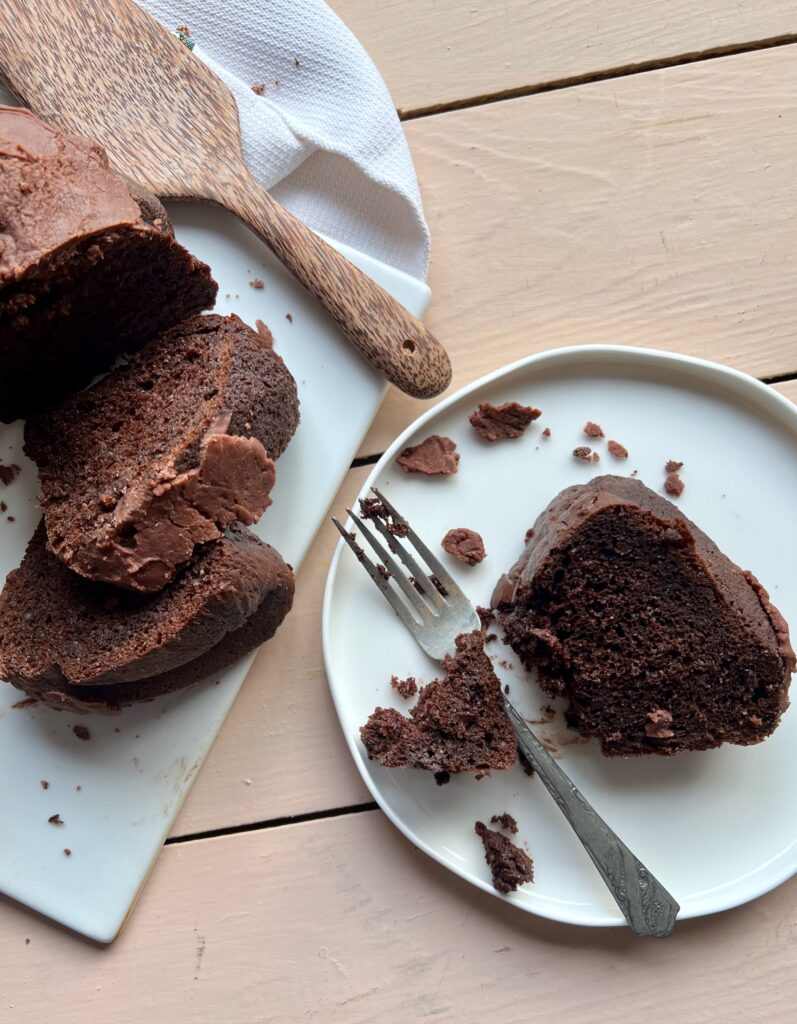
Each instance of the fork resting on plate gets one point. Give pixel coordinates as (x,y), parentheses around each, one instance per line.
(436,612)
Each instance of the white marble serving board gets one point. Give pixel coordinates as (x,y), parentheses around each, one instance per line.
(119,793)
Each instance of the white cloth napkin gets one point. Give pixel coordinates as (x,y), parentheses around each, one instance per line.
(323,137)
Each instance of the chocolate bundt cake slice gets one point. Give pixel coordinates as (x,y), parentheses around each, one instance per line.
(164,452)
(458,725)
(659,642)
(87,646)
(89,266)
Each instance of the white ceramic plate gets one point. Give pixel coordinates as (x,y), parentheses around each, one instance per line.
(718,828)
(133,781)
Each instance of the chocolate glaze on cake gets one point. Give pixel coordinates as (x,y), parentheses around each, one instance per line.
(89,267)
(164,452)
(659,641)
(81,645)
(458,725)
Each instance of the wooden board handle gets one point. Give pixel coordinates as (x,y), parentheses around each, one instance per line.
(392,340)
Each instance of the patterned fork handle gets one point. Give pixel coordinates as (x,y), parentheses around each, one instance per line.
(645,903)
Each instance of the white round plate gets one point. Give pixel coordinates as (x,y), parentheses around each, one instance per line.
(718,828)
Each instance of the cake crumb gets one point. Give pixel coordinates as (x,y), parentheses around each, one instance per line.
(3,506)
(486,615)
(596,457)
(525,764)
(490,637)
(186,31)
(658,725)
(55,819)
(9,473)
(258,89)
(384,572)
(593,429)
(405,688)
(436,583)
(289,317)
(442,778)
(465,545)
(502,422)
(505,821)
(81,732)
(674,485)
(44,784)
(257,283)
(435,456)
(67,852)
(671,466)
(27,942)
(78,789)
(547,432)
(11,519)
(618,450)
(583,453)
(509,865)
(528,534)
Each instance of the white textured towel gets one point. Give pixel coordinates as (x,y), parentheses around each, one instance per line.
(323,137)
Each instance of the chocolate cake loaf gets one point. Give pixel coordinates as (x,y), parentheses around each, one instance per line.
(660,643)
(458,725)
(164,452)
(87,646)
(89,266)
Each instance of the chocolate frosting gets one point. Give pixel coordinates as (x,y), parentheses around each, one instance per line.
(76,193)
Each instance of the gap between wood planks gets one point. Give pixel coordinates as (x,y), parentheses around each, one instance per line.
(713,53)
(258,826)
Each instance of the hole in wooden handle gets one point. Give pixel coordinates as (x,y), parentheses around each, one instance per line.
(409,346)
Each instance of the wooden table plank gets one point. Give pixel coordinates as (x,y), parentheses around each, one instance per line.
(344,921)
(443,52)
(281,751)
(657,210)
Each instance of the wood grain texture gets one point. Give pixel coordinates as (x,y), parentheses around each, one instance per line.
(281,751)
(443,52)
(658,210)
(788,389)
(343,922)
(168,122)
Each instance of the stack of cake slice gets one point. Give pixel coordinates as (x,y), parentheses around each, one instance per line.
(142,577)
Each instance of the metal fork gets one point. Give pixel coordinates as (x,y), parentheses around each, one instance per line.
(434,609)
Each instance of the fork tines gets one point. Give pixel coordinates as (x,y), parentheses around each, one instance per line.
(426,590)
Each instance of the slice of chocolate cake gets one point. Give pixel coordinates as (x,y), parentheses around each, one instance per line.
(82,645)
(659,641)
(458,725)
(164,452)
(89,266)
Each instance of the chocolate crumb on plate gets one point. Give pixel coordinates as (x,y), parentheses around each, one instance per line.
(259,88)
(490,637)
(583,452)
(674,485)
(596,457)
(11,519)
(502,422)
(618,450)
(44,784)
(487,615)
(547,432)
(505,821)
(3,506)
(257,283)
(405,688)
(593,429)
(509,865)
(442,778)
(8,473)
(465,545)
(67,852)
(289,317)
(82,732)
(436,456)
(671,466)
(55,819)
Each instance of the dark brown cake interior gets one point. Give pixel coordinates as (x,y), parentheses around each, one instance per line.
(101,451)
(660,643)
(509,865)
(71,314)
(458,725)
